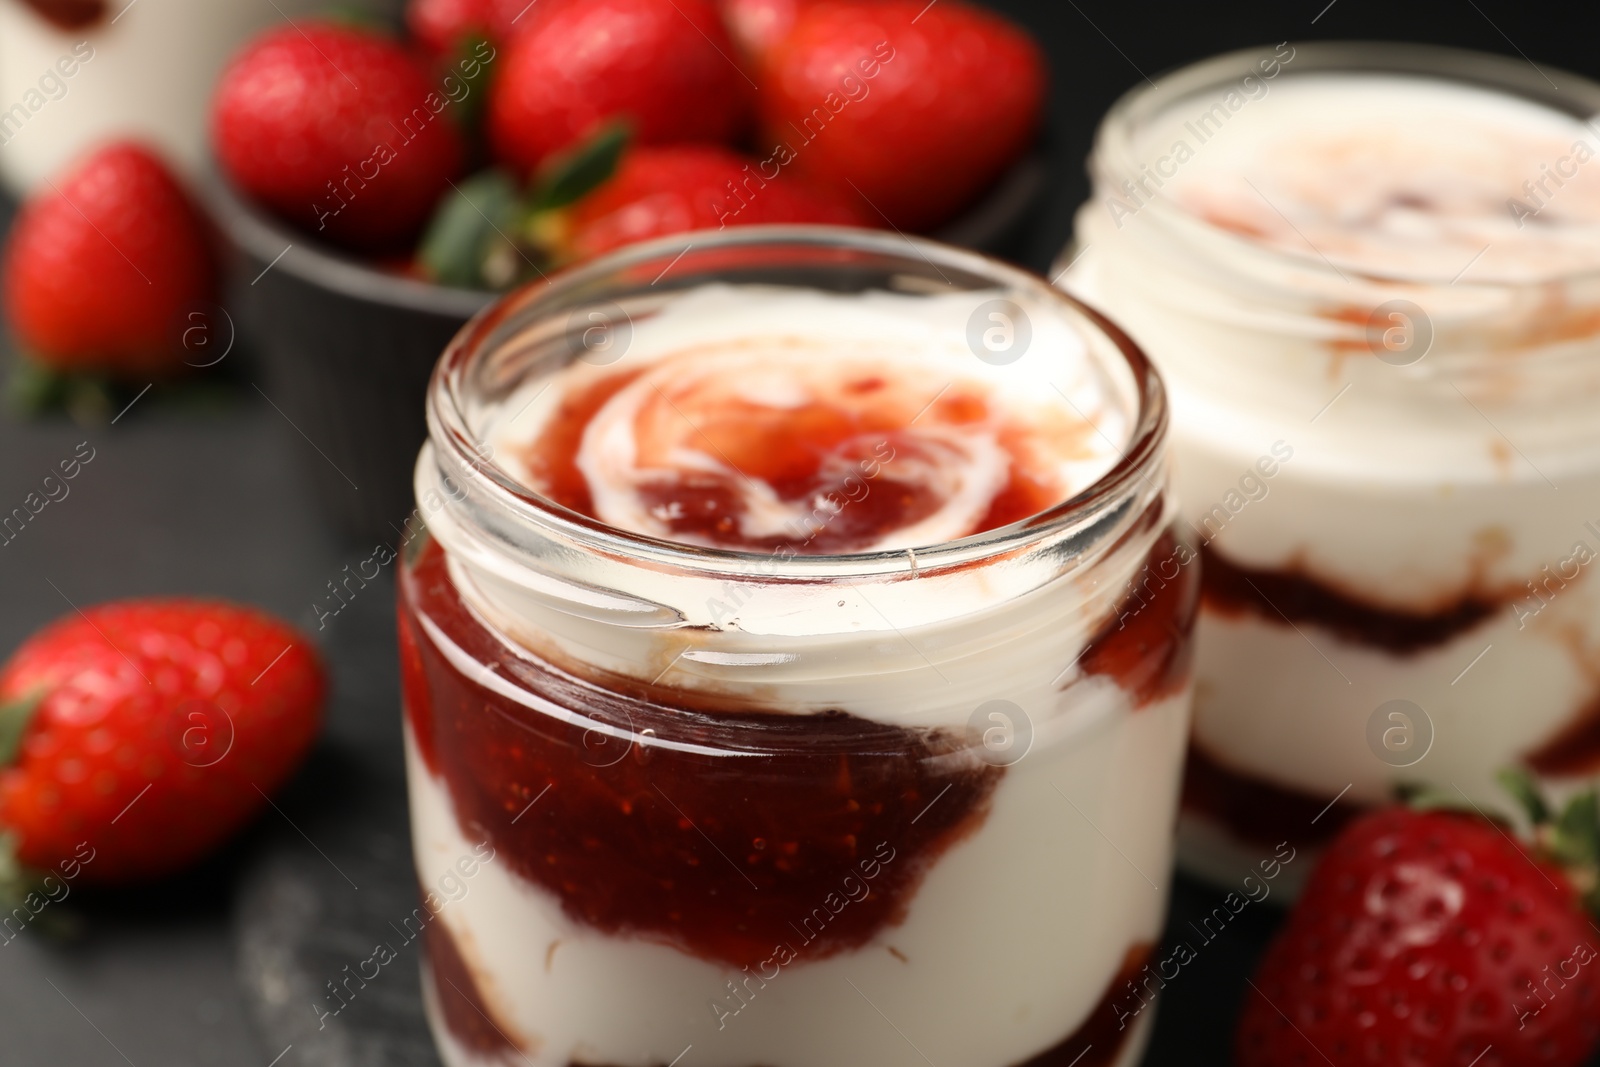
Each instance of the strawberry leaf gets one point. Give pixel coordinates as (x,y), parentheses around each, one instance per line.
(1525,791)
(355,17)
(14,718)
(13,878)
(471,233)
(44,912)
(1575,837)
(1420,797)
(577,172)
(35,389)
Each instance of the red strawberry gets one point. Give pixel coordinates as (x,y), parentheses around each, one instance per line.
(1430,939)
(667,66)
(338,130)
(659,191)
(149,731)
(444,26)
(917,108)
(101,267)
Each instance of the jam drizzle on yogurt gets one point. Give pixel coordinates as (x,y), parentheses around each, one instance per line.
(811,461)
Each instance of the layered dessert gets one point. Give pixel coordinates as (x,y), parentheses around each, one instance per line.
(75,73)
(1369,278)
(807,721)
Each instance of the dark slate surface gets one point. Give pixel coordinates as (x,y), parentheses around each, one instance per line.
(220,967)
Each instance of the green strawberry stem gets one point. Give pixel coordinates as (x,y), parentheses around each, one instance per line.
(23,890)
(20,887)
(36,389)
(357,18)
(1526,792)
(14,718)
(493,235)
(571,175)
(1569,838)
(470,236)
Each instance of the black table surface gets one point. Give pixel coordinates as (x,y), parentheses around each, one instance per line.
(211,501)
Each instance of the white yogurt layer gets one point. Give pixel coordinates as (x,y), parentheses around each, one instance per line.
(714,365)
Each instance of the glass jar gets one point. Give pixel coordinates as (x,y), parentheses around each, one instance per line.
(1392,474)
(812,809)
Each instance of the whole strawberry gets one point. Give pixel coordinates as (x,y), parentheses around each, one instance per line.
(102,265)
(916,108)
(666,66)
(338,130)
(674,189)
(1432,939)
(148,731)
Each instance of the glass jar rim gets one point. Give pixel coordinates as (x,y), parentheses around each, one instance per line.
(458,448)
(1115,150)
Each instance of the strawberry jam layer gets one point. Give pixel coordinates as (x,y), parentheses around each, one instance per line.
(721,851)
(717,829)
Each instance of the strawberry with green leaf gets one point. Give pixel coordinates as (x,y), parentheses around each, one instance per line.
(144,733)
(1429,936)
(606,194)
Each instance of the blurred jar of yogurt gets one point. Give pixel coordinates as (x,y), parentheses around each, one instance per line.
(1371,277)
(74,73)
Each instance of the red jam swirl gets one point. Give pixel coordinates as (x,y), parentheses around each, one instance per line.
(848,471)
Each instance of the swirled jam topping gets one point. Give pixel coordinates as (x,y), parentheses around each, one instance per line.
(766,418)
(1388,175)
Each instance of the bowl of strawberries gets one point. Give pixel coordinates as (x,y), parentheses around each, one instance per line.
(378,189)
